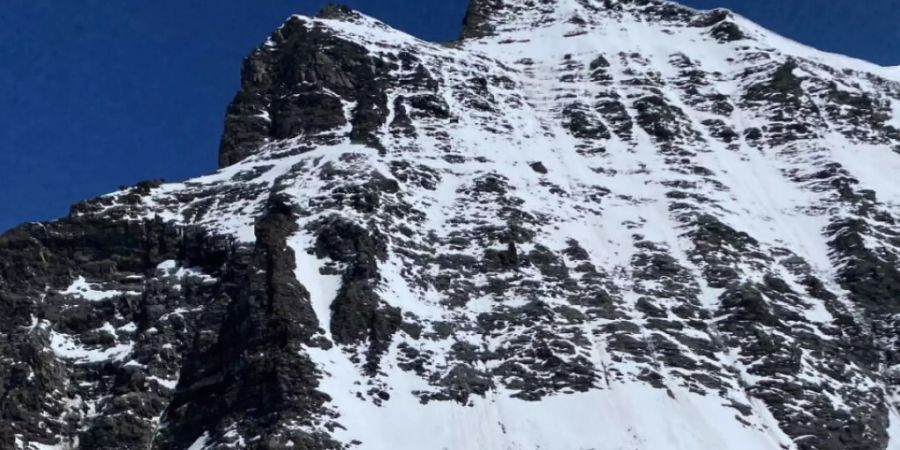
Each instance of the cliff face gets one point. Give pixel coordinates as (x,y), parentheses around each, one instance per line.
(585,224)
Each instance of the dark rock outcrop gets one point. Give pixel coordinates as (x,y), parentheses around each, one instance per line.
(298,84)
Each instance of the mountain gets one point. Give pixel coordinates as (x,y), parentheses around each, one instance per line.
(586,224)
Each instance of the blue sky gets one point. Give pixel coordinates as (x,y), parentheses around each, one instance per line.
(95,94)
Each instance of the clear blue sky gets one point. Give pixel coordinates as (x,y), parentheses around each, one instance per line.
(97,93)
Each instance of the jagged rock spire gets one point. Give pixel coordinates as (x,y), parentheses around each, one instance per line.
(477,21)
(297,83)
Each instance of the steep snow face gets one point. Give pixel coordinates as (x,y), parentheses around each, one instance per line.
(893,73)
(589,224)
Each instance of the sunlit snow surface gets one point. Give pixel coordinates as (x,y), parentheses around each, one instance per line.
(627,416)
(757,197)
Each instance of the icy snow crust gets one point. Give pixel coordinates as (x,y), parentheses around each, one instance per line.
(749,189)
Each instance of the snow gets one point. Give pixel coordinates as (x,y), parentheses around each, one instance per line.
(91,292)
(20,444)
(322,288)
(875,166)
(168,384)
(894,72)
(68,347)
(625,416)
(201,442)
(39,446)
(893,429)
(167,265)
(65,346)
(171,268)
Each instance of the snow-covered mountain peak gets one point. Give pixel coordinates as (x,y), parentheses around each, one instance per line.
(621,224)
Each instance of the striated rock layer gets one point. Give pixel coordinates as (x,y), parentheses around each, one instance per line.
(587,224)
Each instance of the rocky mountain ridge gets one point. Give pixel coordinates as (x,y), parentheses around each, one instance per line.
(586,224)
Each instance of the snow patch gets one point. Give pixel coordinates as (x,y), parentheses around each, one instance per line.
(322,288)
(64,346)
(91,291)
(201,442)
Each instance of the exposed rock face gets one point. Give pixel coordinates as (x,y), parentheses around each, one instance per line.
(479,14)
(300,90)
(586,224)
